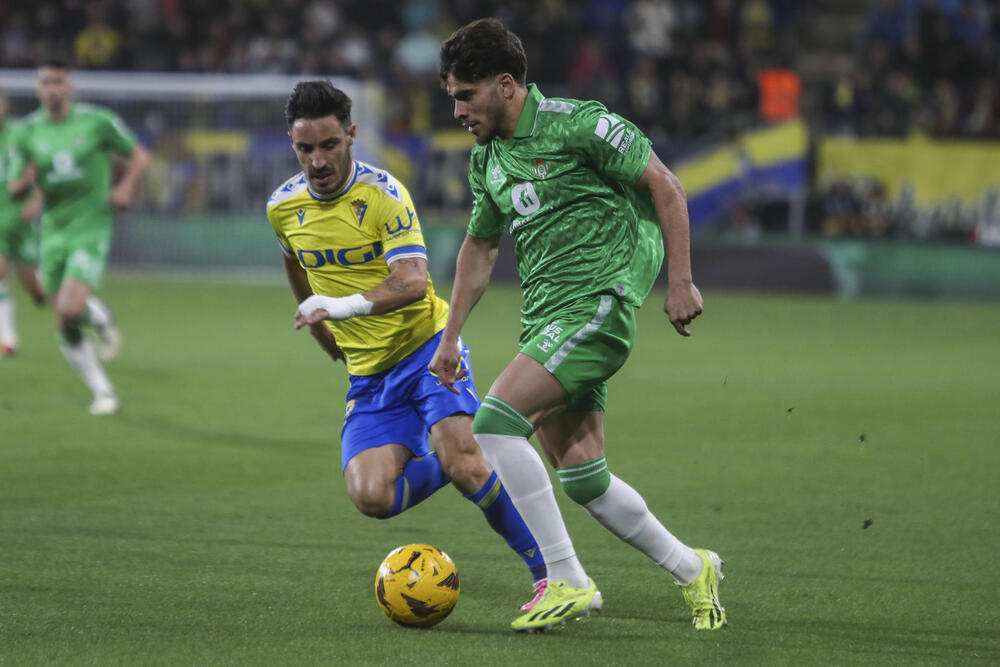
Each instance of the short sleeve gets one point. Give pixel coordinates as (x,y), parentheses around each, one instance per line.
(117,136)
(610,144)
(274,220)
(398,224)
(486,220)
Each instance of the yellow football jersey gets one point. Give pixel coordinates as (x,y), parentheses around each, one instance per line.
(346,242)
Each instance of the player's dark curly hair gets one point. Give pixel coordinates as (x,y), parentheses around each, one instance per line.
(317,99)
(482,49)
(57,61)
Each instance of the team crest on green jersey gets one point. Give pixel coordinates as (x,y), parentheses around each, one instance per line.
(359,206)
(541,170)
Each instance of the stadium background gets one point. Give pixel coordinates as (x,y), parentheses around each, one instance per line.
(830,146)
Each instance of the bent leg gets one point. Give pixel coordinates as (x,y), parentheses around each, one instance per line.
(28,275)
(576,441)
(384,481)
(471,474)
(70,306)
(526,391)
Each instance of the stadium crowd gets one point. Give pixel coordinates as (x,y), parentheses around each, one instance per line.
(687,71)
(676,66)
(683,69)
(924,66)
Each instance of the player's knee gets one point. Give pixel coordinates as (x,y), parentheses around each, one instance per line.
(468,468)
(373,498)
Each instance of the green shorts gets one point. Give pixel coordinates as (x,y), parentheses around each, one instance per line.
(582,345)
(18,241)
(81,256)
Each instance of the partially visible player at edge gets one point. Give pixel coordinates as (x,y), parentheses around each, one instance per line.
(18,245)
(355,259)
(66,148)
(588,203)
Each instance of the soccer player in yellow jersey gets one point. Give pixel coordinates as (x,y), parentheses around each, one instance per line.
(355,259)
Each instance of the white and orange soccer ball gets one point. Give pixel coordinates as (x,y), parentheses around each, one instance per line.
(417,585)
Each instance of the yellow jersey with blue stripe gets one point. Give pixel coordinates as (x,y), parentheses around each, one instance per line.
(346,242)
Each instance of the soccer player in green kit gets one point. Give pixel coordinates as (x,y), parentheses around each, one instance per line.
(17,238)
(589,205)
(66,148)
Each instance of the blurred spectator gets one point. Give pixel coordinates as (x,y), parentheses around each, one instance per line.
(720,23)
(593,72)
(757,26)
(324,17)
(650,25)
(16,41)
(275,51)
(840,98)
(97,45)
(984,113)
(887,24)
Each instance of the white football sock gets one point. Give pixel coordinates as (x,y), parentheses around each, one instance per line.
(82,358)
(523,474)
(622,510)
(98,314)
(8,334)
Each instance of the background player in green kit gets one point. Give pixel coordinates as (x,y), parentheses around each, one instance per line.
(588,204)
(67,148)
(17,237)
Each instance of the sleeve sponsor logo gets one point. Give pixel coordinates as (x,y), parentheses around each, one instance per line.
(615,132)
(400,226)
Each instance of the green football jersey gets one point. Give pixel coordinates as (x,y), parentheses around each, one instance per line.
(74,166)
(564,185)
(10,212)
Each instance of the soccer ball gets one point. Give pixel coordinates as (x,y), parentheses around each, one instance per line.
(417,585)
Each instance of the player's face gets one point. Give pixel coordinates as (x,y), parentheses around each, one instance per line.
(323,147)
(479,106)
(54,89)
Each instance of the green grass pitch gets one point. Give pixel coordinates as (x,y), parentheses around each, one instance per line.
(841,456)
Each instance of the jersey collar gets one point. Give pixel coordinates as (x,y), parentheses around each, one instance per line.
(526,121)
(347,186)
(70,112)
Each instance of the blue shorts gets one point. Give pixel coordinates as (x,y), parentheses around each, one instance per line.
(399,405)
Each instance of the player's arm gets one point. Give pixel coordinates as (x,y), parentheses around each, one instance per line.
(19,184)
(472,274)
(123,193)
(684,301)
(405,284)
(33,205)
(299,282)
